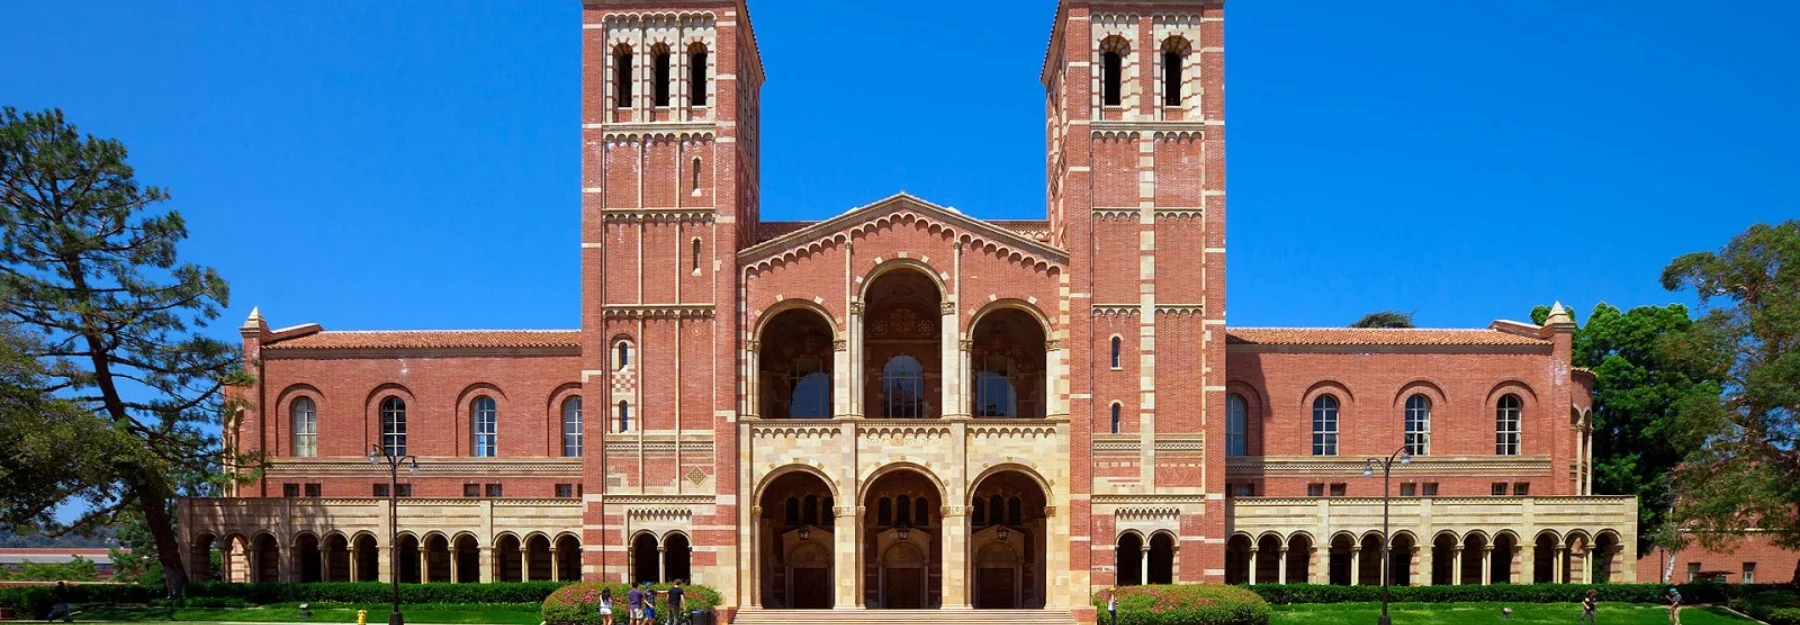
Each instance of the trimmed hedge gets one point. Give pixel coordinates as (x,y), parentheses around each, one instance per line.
(35,600)
(579,603)
(1516,593)
(1186,604)
(1775,607)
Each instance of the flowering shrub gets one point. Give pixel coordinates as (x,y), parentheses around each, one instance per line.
(1185,604)
(579,603)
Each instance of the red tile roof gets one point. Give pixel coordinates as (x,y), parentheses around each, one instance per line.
(431,339)
(1375,336)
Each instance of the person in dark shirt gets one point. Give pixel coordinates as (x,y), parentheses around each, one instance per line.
(1589,603)
(677,600)
(59,600)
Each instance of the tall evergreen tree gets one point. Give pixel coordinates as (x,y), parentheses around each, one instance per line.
(1743,470)
(89,264)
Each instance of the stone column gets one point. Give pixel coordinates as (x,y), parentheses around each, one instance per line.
(756,563)
(525,562)
(1456,569)
(752,378)
(1053,372)
(845,544)
(385,567)
(950,357)
(324,563)
(455,565)
(556,564)
(840,376)
(1587,564)
(855,375)
(487,563)
(1562,559)
(956,558)
(1530,555)
(1428,565)
(1253,551)
(1281,565)
(424,564)
(355,555)
(1144,564)
(1356,564)
(1321,566)
(1487,565)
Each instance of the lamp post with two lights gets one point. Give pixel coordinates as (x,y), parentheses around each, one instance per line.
(376,457)
(1402,456)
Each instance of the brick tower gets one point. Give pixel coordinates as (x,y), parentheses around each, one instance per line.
(669,171)
(1136,161)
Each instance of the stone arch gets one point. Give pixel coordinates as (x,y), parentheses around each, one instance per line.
(1505,546)
(1008,361)
(677,555)
(1267,563)
(868,279)
(507,566)
(769,478)
(1013,303)
(1400,558)
(793,303)
(795,560)
(1606,551)
(367,554)
(1022,526)
(307,557)
(902,583)
(894,467)
(200,551)
(1237,557)
(1432,389)
(1300,546)
(646,561)
(1524,390)
(1444,546)
(1329,386)
(903,335)
(1545,545)
(266,557)
(796,362)
(567,547)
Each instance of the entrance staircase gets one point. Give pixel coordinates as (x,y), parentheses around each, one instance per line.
(756,616)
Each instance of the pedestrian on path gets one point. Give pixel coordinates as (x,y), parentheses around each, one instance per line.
(1589,603)
(606,606)
(59,604)
(1674,597)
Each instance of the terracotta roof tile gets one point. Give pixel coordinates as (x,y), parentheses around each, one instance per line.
(1375,336)
(431,339)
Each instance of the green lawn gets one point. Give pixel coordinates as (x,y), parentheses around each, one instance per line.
(1523,614)
(496,614)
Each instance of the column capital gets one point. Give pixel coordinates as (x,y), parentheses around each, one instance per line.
(947,308)
(856,308)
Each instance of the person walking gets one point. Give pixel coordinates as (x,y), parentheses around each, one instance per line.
(59,604)
(1589,603)
(634,602)
(1112,605)
(677,604)
(606,601)
(1674,597)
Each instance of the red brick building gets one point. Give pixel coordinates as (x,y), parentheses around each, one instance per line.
(904,405)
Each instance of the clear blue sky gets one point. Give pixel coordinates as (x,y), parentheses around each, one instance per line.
(376,165)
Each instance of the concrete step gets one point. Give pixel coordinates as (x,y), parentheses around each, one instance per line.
(853,616)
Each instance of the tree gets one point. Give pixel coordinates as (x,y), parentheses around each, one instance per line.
(51,450)
(1637,386)
(1384,319)
(87,263)
(1744,468)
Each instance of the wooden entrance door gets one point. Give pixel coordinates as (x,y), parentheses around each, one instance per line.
(812,588)
(902,588)
(996,589)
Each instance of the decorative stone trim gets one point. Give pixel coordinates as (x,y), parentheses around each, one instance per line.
(1116,213)
(618,133)
(1179,213)
(659,514)
(657,215)
(1150,498)
(315,467)
(1116,310)
(773,430)
(901,209)
(656,311)
(1421,465)
(665,500)
(1181,310)
(1148,514)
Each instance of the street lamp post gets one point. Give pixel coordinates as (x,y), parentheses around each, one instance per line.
(1387,469)
(377,456)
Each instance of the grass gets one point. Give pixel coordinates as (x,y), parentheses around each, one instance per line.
(1523,614)
(446,613)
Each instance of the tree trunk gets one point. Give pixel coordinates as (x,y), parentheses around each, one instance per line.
(155,504)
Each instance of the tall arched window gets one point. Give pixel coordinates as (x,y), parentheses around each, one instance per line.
(622,76)
(1115,418)
(903,388)
(1237,421)
(1418,425)
(1115,352)
(1112,66)
(306,428)
(1325,426)
(623,356)
(571,428)
(812,391)
(1506,425)
(1171,77)
(484,426)
(884,511)
(922,512)
(624,416)
(659,67)
(697,75)
(393,426)
(694,188)
(903,510)
(995,395)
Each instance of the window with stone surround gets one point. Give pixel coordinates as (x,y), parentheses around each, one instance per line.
(903,388)
(1507,417)
(571,428)
(1418,425)
(1409,490)
(660,75)
(393,427)
(1325,425)
(1116,345)
(624,416)
(622,76)
(1315,490)
(697,74)
(484,427)
(1115,417)
(1112,70)
(306,428)
(1175,52)
(1237,420)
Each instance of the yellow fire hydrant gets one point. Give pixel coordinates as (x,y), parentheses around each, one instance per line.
(362,617)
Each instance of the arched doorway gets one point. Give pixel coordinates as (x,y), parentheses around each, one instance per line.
(407,564)
(902,347)
(200,558)
(1007,358)
(794,544)
(1342,560)
(677,557)
(537,556)
(1368,570)
(1299,559)
(368,559)
(268,559)
(1128,560)
(794,366)
(1500,568)
(568,559)
(1007,540)
(1606,549)
(507,567)
(1475,545)
(337,558)
(1237,559)
(644,559)
(1268,559)
(306,559)
(1400,555)
(902,550)
(468,559)
(1162,558)
(1543,560)
(1575,558)
(437,558)
(1443,559)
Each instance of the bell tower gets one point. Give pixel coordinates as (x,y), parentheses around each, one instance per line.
(1134,100)
(669,162)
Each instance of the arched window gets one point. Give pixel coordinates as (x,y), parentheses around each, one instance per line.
(484,427)
(1418,425)
(659,66)
(1171,77)
(1115,418)
(884,511)
(697,75)
(1112,66)
(306,428)
(393,426)
(624,354)
(622,76)
(695,187)
(624,416)
(1115,352)
(980,511)
(793,511)
(812,389)
(1014,509)
(1506,425)
(571,429)
(995,395)
(695,245)
(903,510)
(922,512)
(996,510)
(809,514)
(1325,426)
(1237,421)
(903,388)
